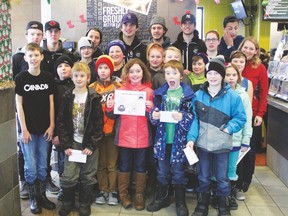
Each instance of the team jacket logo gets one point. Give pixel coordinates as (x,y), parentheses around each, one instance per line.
(36,87)
(106,97)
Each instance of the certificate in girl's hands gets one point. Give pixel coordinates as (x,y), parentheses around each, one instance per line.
(130,102)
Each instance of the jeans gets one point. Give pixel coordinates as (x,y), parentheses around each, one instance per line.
(35,157)
(167,171)
(132,156)
(61,159)
(218,161)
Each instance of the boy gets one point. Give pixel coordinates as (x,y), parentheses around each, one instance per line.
(85,49)
(129,28)
(63,66)
(218,113)
(230,40)
(80,126)
(35,108)
(108,152)
(170,138)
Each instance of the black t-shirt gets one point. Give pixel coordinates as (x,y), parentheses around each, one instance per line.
(35,92)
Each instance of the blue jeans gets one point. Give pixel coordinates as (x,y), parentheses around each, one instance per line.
(218,161)
(35,157)
(167,171)
(132,156)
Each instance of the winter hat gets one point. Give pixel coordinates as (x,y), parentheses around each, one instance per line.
(116,42)
(64,59)
(204,57)
(188,17)
(107,60)
(158,20)
(34,25)
(85,42)
(52,24)
(217,64)
(130,18)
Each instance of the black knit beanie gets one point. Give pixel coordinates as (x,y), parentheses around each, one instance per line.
(217,64)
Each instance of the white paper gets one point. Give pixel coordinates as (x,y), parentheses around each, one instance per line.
(130,102)
(242,154)
(190,155)
(166,116)
(77,156)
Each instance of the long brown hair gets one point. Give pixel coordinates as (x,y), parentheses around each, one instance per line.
(256,58)
(125,72)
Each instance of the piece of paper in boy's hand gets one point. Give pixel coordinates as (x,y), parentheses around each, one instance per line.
(77,156)
(190,155)
(166,116)
(242,154)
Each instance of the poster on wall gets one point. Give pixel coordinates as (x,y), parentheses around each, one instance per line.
(107,15)
(139,6)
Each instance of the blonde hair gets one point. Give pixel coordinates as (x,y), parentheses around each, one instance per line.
(83,67)
(173,49)
(256,58)
(230,65)
(125,72)
(176,65)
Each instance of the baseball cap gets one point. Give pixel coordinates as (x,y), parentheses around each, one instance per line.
(188,17)
(52,24)
(130,18)
(34,25)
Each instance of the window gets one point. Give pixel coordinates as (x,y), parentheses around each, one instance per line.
(200,21)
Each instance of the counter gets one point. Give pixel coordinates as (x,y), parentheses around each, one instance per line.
(277,138)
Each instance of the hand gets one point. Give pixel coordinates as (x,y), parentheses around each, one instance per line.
(228,39)
(257,121)
(55,141)
(187,72)
(68,152)
(110,103)
(149,104)
(156,114)
(177,116)
(225,130)
(49,133)
(26,136)
(87,151)
(243,149)
(190,144)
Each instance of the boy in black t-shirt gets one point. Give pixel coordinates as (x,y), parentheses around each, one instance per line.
(35,108)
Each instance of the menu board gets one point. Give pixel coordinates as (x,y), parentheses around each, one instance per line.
(275,10)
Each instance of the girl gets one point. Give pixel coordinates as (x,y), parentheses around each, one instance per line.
(197,77)
(116,50)
(239,59)
(241,139)
(212,41)
(132,135)
(256,72)
(96,36)
(155,58)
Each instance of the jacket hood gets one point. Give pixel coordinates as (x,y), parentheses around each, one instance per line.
(135,41)
(194,39)
(60,46)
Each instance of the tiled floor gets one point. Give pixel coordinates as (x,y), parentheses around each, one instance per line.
(267,196)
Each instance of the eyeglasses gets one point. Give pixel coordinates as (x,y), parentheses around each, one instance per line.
(211,40)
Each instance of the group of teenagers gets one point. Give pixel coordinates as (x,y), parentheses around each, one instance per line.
(216,91)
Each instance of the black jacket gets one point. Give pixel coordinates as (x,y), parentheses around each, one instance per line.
(93,120)
(188,50)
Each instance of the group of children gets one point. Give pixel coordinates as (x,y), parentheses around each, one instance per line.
(210,113)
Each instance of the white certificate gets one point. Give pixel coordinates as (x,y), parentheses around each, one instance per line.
(190,155)
(166,116)
(77,156)
(130,102)
(242,154)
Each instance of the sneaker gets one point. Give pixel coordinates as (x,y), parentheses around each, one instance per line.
(101,198)
(51,187)
(23,190)
(240,195)
(233,203)
(60,195)
(113,198)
